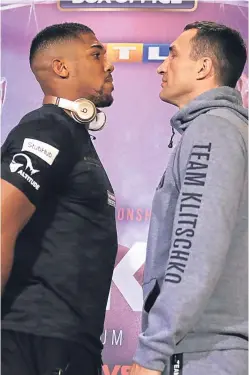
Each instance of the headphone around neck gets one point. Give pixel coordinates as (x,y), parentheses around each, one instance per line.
(82,110)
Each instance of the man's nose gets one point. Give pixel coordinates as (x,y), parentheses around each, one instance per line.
(109,67)
(163,67)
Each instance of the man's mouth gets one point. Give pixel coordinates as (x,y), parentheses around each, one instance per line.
(109,79)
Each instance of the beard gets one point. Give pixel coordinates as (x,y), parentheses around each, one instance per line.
(102,99)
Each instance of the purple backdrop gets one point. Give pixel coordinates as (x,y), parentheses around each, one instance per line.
(133,146)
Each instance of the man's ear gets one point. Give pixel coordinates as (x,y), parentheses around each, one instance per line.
(60,68)
(204,68)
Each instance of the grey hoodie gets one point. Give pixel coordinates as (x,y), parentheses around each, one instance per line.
(195,280)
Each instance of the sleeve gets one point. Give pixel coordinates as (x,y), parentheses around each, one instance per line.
(212,165)
(36,158)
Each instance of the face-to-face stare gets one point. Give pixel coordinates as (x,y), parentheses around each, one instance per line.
(178,70)
(89,73)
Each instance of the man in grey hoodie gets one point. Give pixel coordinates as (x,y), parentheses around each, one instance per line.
(195,318)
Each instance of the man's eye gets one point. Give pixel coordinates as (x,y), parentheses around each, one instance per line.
(96,55)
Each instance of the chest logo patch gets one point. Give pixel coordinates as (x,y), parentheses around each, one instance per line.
(111,200)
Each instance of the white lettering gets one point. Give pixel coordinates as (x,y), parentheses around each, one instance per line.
(128,286)
(112,337)
(117,340)
(127,1)
(103,337)
(177,368)
(124,52)
(154,54)
(29,179)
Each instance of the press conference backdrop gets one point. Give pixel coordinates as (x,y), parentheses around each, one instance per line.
(133,146)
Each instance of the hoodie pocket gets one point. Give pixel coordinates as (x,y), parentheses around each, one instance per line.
(152,295)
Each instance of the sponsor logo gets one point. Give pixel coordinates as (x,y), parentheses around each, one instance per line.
(15,165)
(22,165)
(111,200)
(43,150)
(152,5)
(137,52)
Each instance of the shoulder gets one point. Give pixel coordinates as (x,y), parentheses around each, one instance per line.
(42,132)
(44,125)
(215,128)
(50,119)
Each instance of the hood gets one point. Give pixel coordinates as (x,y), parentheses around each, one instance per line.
(222,97)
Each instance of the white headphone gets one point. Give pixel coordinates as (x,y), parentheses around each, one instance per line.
(82,111)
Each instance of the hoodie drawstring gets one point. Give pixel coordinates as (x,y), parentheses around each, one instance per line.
(170,145)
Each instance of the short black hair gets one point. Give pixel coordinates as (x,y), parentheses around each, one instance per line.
(223,44)
(56,33)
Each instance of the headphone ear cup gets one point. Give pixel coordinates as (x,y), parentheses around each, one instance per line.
(84,111)
(99,122)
